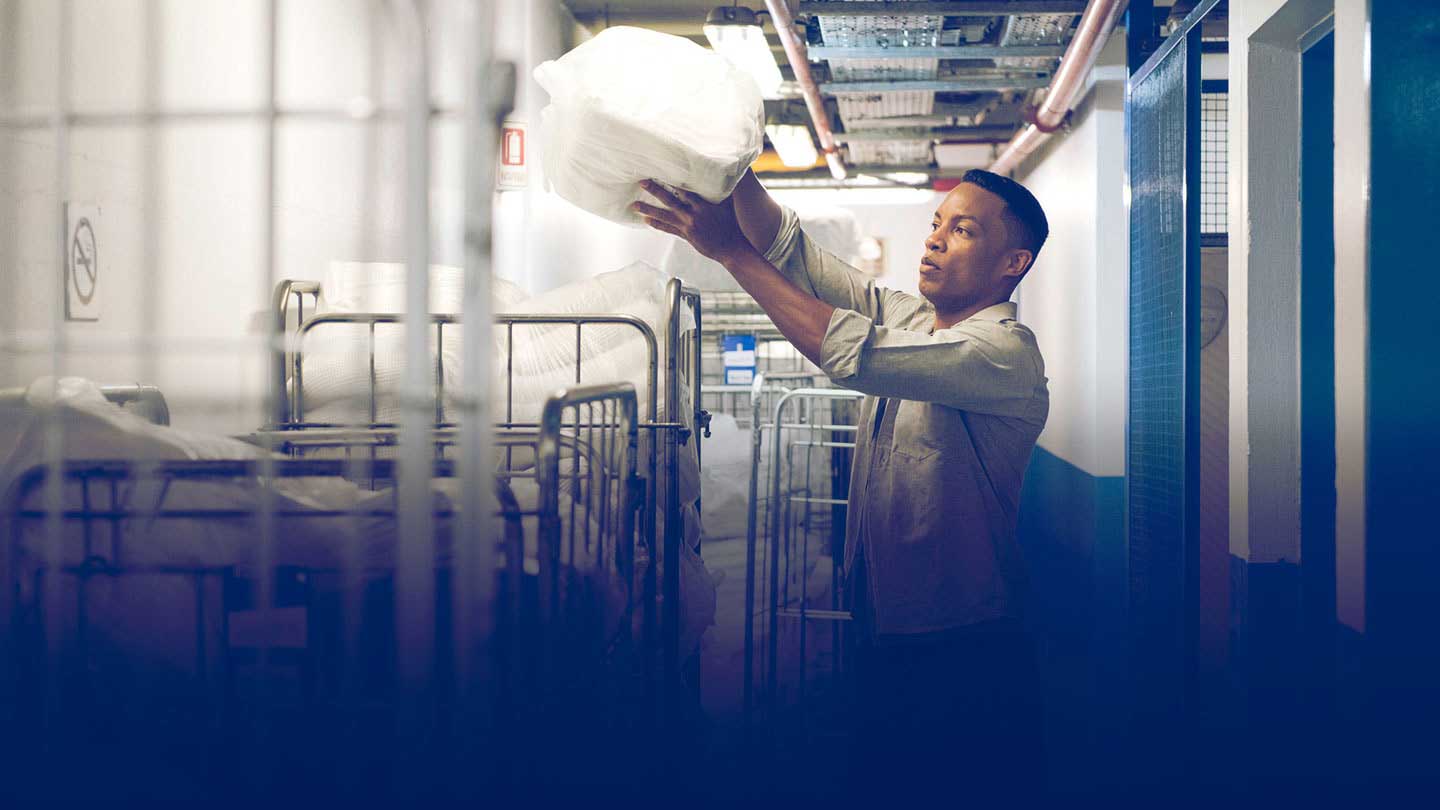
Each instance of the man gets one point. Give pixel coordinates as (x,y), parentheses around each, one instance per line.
(957,398)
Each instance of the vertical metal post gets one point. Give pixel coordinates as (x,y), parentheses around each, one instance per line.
(491,93)
(265,501)
(674,525)
(415,566)
(751,518)
(773,605)
(54,494)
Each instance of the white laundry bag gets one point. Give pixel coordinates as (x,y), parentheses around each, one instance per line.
(632,104)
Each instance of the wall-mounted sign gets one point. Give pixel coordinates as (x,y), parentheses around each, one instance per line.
(82,262)
(739,354)
(513,173)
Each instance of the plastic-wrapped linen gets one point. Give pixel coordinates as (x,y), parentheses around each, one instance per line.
(632,104)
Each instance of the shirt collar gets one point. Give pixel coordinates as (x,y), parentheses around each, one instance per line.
(998,313)
(1003,311)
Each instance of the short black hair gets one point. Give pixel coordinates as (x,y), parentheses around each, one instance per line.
(1022,211)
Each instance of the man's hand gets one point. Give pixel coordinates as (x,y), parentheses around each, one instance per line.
(713,230)
(710,228)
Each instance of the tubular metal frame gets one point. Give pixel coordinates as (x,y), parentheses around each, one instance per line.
(782,524)
(145,400)
(601,451)
(720,398)
(680,351)
(731,312)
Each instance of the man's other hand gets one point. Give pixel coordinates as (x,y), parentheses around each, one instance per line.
(711,228)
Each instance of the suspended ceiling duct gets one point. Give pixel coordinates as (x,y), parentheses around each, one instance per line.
(800,64)
(898,72)
(1094,30)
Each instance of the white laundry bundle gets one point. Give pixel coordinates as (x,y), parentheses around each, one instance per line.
(381,287)
(632,104)
(338,372)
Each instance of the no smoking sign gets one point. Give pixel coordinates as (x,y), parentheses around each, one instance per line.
(82,262)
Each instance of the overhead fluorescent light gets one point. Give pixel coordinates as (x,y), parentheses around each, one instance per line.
(793,144)
(735,33)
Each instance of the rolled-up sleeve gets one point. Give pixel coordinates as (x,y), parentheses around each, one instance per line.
(977,365)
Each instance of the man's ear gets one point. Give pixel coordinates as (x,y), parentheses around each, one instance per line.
(1019,261)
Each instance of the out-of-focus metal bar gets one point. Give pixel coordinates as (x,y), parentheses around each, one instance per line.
(415,564)
(361,110)
(53,427)
(491,89)
(265,500)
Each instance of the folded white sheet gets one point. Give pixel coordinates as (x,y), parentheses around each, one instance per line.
(614,119)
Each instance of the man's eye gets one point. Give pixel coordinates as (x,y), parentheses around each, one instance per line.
(960,229)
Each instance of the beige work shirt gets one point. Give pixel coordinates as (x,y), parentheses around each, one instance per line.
(935,485)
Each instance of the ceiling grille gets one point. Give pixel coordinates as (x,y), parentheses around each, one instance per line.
(854,106)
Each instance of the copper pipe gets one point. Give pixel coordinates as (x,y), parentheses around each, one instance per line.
(1095,26)
(800,63)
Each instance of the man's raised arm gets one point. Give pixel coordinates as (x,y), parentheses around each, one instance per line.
(757,212)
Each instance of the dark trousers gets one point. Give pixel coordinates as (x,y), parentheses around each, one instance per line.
(949,717)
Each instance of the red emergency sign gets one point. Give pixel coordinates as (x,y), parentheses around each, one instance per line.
(512,152)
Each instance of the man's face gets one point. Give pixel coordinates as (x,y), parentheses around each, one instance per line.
(968,256)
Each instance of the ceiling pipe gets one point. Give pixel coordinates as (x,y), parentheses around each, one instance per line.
(1094,30)
(800,63)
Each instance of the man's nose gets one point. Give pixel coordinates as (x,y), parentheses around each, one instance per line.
(933,243)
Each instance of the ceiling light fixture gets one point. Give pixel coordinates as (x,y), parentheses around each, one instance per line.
(793,144)
(735,33)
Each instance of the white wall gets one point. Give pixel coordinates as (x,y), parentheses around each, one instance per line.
(899,217)
(1352,157)
(1074,298)
(185,200)
(1245,18)
(541,241)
